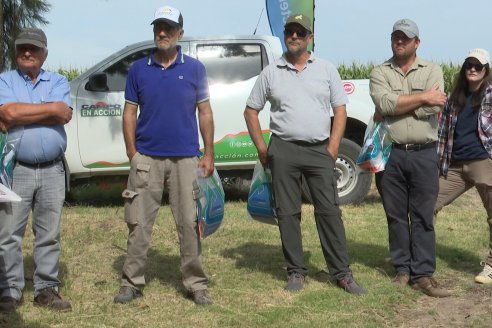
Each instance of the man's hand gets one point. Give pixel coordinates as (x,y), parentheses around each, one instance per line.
(434,96)
(206,164)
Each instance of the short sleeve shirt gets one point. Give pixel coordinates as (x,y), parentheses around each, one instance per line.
(167,100)
(39,143)
(301,101)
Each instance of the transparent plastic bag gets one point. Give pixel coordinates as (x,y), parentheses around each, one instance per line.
(9,142)
(210,203)
(376,149)
(261,205)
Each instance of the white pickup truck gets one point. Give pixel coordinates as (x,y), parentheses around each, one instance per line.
(96,157)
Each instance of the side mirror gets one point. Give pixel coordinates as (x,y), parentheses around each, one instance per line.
(97,82)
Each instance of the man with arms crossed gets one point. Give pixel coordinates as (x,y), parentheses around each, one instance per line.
(407,92)
(39,102)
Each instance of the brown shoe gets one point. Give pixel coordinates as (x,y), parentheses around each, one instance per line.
(50,298)
(8,304)
(401,279)
(429,287)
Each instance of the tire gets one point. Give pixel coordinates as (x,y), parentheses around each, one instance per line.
(353,183)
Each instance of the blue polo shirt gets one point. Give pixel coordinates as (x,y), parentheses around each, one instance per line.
(39,143)
(167,99)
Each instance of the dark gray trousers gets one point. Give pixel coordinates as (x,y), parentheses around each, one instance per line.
(410,187)
(288,162)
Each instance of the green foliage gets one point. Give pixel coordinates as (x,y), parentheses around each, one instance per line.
(70,73)
(363,71)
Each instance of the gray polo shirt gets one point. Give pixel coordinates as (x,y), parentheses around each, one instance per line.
(388,82)
(300,100)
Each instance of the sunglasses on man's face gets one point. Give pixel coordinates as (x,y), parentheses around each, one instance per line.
(478,67)
(299,33)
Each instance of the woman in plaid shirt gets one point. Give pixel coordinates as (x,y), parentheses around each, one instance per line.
(465,142)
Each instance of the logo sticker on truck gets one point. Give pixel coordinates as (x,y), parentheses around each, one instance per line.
(100,109)
(349,87)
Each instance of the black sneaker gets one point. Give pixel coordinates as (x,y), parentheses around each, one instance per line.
(351,286)
(51,299)
(201,297)
(295,282)
(8,304)
(127,294)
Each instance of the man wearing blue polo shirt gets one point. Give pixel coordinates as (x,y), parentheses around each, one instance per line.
(36,103)
(163,148)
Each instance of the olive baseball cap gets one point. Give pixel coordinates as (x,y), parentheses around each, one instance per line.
(407,26)
(33,36)
(300,19)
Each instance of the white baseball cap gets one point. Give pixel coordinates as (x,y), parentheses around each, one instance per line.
(168,14)
(481,54)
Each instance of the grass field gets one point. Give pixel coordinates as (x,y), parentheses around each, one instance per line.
(247,274)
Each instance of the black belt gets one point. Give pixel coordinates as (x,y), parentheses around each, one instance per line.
(41,165)
(414,147)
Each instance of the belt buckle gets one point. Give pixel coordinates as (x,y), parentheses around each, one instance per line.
(409,147)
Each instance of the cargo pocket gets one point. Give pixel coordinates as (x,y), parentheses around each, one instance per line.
(131,206)
(142,175)
(334,177)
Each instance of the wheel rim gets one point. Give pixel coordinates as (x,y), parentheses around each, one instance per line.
(347,175)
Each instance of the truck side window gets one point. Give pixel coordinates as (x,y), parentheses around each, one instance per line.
(229,63)
(118,72)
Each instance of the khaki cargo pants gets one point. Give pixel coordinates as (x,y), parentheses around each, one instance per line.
(146,182)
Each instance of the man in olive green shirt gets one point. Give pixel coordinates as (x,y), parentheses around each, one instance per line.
(407,92)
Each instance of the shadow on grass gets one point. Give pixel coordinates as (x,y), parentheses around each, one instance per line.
(164,268)
(268,259)
(458,259)
(15,320)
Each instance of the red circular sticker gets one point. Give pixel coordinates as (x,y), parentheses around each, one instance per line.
(349,87)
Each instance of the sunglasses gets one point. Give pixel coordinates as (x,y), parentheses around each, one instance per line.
(299,33)
(478,67)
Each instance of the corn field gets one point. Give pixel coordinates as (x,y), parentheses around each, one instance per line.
(354,71)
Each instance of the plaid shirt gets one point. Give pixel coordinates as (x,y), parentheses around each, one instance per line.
(447,124)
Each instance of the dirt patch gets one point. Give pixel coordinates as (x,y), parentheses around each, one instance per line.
(472,308)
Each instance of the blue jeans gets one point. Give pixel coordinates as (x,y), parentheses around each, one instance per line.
(43,192)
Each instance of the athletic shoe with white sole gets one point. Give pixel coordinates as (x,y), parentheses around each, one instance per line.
(484,277)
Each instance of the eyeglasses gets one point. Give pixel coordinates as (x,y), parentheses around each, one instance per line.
(299,33)
(478,67)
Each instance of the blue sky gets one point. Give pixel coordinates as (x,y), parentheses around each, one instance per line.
(81,33)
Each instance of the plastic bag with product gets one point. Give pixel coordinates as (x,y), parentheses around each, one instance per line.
(376,149)
(261,205)
(210,203)
(9,142)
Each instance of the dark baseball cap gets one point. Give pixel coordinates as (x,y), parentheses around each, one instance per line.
(300,19)
(33,36)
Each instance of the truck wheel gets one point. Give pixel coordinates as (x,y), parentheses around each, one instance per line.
(353,183)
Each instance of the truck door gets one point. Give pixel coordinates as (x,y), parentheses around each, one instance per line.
(100,102)
(232,69)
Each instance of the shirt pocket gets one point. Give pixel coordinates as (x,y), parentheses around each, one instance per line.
(418,85)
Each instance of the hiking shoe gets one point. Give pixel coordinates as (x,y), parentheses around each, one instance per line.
(51,299)
(484,277)
(127,294)
(429,287)
(295,282)
(201,297)
(8,304)
(401,279)
(351,286)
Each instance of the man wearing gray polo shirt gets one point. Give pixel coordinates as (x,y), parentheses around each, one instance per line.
(407,92)
(301,89)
